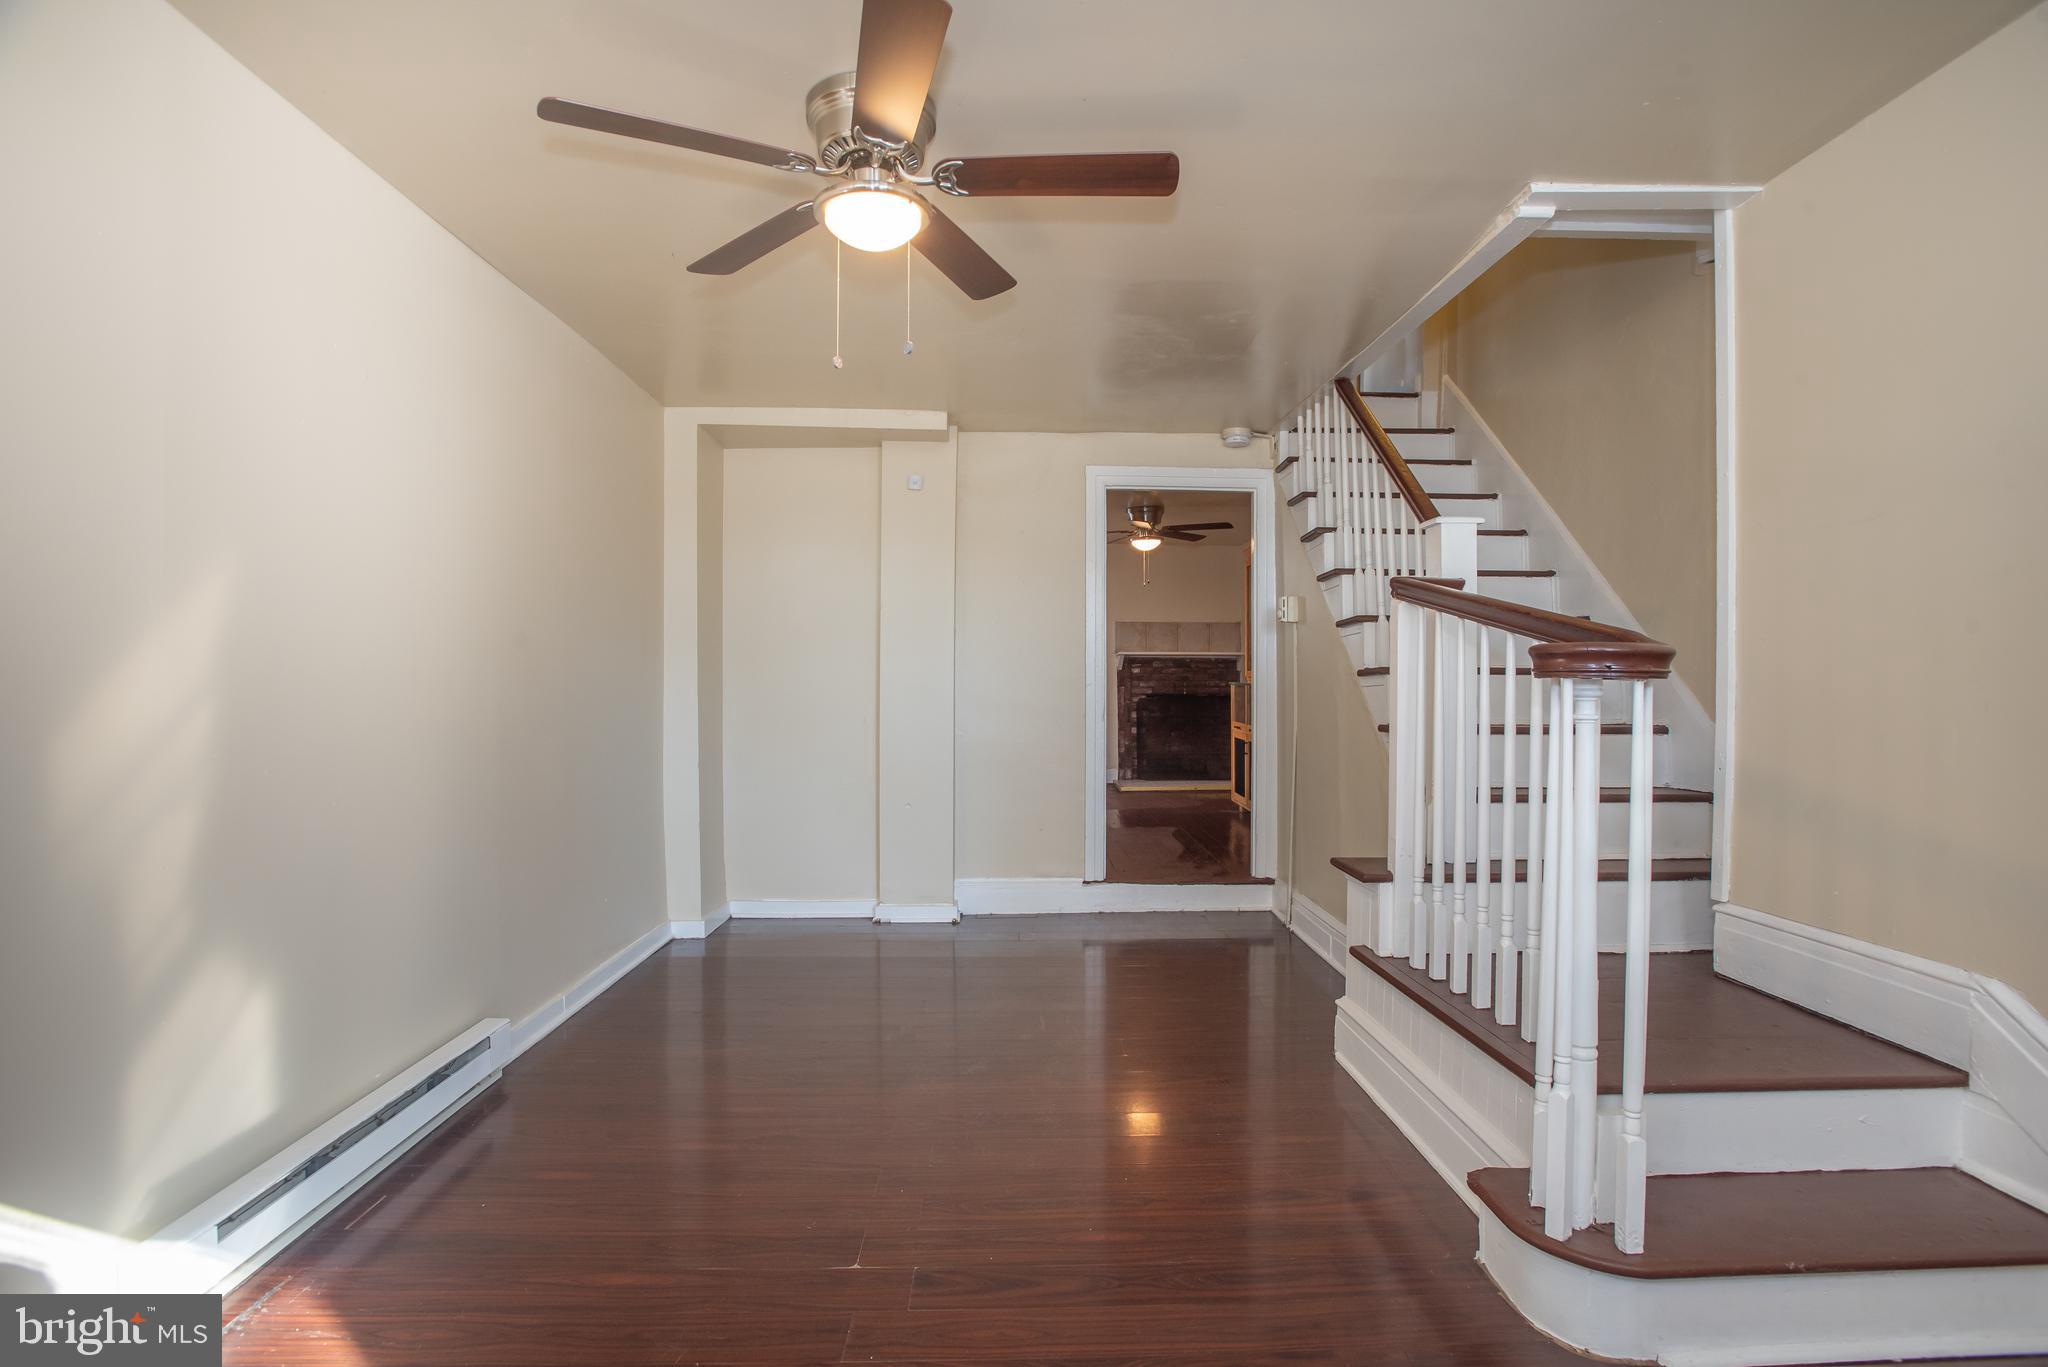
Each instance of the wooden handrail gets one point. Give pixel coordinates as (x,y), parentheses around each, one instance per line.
(1419,501)
(1564,647)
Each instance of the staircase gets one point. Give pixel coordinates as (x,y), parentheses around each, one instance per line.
(1666,1165)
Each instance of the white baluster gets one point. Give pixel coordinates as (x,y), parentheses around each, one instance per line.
(1532,932)
(1482,808)
(1508,972)
(1585,948)
(1439,910)
(1461,804)
(1558,964)
(1633,1165)
(1414,627)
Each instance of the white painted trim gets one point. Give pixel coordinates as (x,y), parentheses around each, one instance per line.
(1734,1321)
(1725,568)
(916,913)
(701,929)
(802,909)
(1327,935)
(1443,1137)
(1622,225)
(1908,1000)
(1265,649)
(1976,1023)
(1057,896)
(1566,196)
(542,1020)
(1501,237)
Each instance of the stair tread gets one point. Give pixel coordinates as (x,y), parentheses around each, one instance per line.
(1358,619)
(1759,1224)
(1389,393)
(1707,1034)
(1373,672)
(1518,574)
(1619,794)
(1417,431)
(1668,868)
(1607,728)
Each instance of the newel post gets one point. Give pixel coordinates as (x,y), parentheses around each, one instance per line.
(1450,550)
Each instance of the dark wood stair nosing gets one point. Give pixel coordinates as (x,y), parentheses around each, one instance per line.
(1663,869)
(1418,431)
(1357,619)
(1607,728)
(1616,793)
(1775,1224)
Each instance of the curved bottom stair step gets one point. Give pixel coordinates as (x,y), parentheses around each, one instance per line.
(1762,1224)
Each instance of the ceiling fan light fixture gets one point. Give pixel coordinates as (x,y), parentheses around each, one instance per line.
(1145,541)
(872,217)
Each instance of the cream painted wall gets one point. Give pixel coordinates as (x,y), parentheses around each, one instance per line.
(800,647)
(709,679)
(914,804)
(1594,363)
(330,587)
(1022,660)
(1889,732)
(1341,787)
(1189,583)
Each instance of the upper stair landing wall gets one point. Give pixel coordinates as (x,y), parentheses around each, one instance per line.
(1580,586)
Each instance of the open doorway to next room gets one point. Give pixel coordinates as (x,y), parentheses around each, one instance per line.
(1178,614)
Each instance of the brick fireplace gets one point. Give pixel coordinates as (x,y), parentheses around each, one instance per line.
(1173,717)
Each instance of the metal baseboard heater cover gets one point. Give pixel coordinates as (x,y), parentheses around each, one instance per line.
(349,1138)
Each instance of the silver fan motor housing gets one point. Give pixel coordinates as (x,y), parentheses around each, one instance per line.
(829,111)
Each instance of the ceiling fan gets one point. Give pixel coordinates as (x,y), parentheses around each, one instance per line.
(1147,531)
(872,127)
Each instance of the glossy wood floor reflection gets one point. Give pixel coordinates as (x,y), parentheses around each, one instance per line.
(1114,1139)
(1161,836)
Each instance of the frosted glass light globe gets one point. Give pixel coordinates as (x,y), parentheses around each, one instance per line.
(873,219)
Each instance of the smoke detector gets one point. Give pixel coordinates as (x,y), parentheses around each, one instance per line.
(1237,438)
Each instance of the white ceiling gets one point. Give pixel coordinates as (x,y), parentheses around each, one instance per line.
(1337,156)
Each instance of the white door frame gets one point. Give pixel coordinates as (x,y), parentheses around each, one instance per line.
(1265,648)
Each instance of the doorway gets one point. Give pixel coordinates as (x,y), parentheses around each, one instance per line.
(1180,667)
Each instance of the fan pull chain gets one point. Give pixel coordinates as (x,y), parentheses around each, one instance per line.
(838,361)
(908,345)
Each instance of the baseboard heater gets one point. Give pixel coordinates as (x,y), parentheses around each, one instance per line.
(216,1242)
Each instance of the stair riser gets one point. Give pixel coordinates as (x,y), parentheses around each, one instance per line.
(1681,913)
(1676,828)
(1614,755)
(1423,445)
(1328,552)
(1396,412)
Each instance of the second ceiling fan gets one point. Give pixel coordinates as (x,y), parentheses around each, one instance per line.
(873,126)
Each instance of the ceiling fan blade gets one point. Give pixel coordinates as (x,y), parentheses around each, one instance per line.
(1089,173)
(756,242)
(1178,535)
(899,51)
(960,259)
(1118,536)
(674,134)
(1199,527)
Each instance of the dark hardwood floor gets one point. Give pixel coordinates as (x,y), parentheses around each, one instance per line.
(1158,836)
(1077,1139)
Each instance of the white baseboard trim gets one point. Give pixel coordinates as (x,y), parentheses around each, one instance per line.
(1976,1023)
(702,927)
(1052,896)
(916,913)
(539,1023)
(802,909)
(1319,930)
